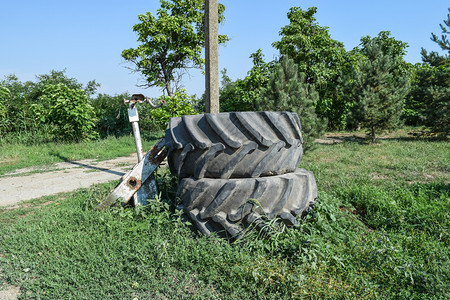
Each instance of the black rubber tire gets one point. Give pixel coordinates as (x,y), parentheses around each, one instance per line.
(234,145)
(230,205)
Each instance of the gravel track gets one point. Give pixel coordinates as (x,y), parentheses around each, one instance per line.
(36,182)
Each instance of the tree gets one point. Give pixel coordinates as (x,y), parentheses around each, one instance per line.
(318,56)
(430,97)
(287,91)
(242,94)
(377,92)
(170,43)
(443,42)
(433,58)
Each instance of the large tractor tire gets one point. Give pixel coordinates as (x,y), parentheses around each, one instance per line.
(234,145)
(230,205)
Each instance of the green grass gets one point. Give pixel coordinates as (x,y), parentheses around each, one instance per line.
(15,155)
(380,230)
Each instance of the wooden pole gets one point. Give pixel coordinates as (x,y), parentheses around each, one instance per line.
(212,56)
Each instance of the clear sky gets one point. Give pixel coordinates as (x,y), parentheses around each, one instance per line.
(87,37)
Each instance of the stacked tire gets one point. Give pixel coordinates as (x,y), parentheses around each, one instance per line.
(239,168)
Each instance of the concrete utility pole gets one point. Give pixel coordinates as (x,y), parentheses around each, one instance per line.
(212,55)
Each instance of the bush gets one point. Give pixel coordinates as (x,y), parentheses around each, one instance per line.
(112,116)
(4,93)
(178,105)
(69,110)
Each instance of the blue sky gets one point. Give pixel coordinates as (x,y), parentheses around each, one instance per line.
(87,37)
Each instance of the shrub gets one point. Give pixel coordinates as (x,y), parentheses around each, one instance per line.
(69,110)
(112,117)
(178,105)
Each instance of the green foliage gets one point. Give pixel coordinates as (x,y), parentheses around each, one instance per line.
(388,44)
(178,105)
(319,57)
(170,43)
(4,92)
(443,41)
(242,94)
(4,95)
(59,77)
(310,46)
(69,110)
(429,99)
(377,88)
(112,115)
(20,118)
(286,91)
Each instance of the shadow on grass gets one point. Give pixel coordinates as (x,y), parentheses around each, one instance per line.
(335,139)
(65,159)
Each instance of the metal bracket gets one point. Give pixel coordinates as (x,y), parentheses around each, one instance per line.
(133,180)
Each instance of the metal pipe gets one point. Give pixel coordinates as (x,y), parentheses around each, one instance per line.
(137,141)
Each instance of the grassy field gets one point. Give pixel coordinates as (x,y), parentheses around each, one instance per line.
(16,155)
(380,230)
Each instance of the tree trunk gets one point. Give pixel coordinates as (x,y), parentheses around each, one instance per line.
(373,134)
(169,89)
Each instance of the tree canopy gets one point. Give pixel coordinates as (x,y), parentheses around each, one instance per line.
(430,96)
(318,56)
(310,45)
(170,42)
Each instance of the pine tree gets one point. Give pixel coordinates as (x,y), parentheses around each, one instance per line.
(377,92)
(431,94)
(287,91)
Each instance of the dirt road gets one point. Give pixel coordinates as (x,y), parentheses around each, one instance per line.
(31,183)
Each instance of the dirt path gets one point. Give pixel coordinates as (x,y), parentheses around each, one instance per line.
(31,183)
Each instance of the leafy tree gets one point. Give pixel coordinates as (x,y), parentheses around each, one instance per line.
(242,94)
(178,105)
(170,43)
(376,91)
(56,77)
(287,91)
(68,110)
(318,56)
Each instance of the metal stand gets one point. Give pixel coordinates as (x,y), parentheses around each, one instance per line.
(132,182)
(139,184)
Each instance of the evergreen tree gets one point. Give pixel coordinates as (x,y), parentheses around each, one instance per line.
(287,91)
(430,97)
(377,91)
